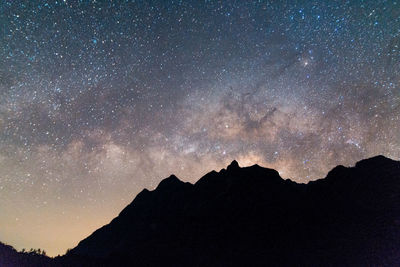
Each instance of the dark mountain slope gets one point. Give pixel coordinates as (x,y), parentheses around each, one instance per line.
(251,216)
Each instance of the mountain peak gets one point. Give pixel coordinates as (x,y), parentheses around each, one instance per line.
(170,181)
(233,166)
(374,161)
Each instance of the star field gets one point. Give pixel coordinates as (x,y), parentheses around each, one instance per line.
(99,99)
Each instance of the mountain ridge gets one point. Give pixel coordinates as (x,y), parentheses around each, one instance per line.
(241,216)
(216,208)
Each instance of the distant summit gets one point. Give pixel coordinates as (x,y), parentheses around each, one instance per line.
(169,183)
(251,216)
(233,166)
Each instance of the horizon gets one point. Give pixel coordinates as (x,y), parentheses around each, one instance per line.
(99,100)
(193,183)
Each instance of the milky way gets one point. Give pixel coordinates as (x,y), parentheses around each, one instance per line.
(100,99)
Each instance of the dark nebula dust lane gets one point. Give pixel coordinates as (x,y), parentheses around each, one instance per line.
(100,99)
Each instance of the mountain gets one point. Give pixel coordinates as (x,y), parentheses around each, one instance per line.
(251,216)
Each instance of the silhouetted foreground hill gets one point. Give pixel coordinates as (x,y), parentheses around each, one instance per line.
(251,216)
(9,257)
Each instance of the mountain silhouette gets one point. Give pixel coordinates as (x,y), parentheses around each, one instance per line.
(252,217)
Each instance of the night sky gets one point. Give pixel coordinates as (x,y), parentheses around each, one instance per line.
(100,99)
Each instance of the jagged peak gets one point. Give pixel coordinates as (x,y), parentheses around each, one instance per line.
(380,159)
(336,171)
(171,180)
(233,166)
